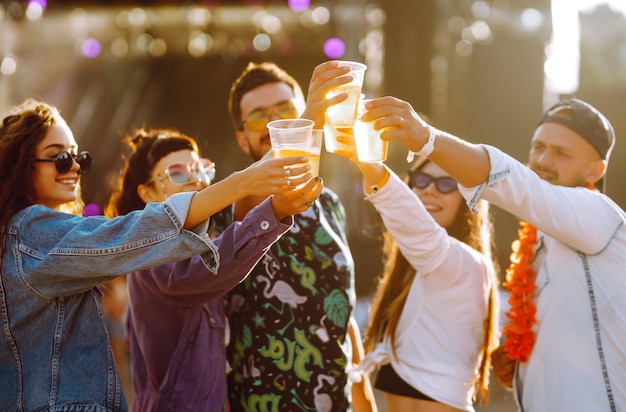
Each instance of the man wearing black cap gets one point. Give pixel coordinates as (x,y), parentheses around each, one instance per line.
(564,348)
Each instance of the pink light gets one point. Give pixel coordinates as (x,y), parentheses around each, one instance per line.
(42,3)
(90,48)
(334,48)
(299,5)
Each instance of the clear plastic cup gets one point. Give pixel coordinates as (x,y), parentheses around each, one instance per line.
(315,151)
(290,137)
(343,115)
(370,147)
(330,138)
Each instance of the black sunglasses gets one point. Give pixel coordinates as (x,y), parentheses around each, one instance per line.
(421,180)
(65,160)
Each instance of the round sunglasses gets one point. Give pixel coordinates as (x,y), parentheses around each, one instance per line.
(258,119)
(421,180)
(64,161)
(180,173)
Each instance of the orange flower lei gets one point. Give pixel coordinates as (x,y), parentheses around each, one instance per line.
(520,283)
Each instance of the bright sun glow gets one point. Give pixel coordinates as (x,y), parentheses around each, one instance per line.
(563,54)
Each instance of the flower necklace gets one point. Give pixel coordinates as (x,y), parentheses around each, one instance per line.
(520,283)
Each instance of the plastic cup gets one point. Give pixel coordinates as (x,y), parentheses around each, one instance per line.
(315,151)
(370,148)
(330,138)
(343,115)
(290,137)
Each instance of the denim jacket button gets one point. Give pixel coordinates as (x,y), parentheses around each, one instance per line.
(212,320)
(265,225)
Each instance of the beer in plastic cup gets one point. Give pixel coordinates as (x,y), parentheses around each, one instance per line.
(343,115)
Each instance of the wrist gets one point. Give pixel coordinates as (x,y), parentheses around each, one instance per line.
(427,148)
(382,182)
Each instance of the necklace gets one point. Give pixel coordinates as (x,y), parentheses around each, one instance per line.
(520,283)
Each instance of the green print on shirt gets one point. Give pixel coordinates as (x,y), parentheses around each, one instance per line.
(263,403)
(287,356)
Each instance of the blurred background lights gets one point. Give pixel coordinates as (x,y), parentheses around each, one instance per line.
(299,5)
(34,10)
(272,24)
(119,47)
(143,42)
(464,48)
(481,9)
(157,47)
(90,48)
(137,17)
(199,16)
(334,48)
(8,65)
(320,15)
(532,19)
(199,43)
(262,42)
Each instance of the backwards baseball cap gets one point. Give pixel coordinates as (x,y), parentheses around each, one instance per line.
(588,122)
(585,120)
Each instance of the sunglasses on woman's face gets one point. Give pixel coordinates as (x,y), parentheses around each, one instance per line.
(421,180)
(180,173)
(65,160)
(258,119)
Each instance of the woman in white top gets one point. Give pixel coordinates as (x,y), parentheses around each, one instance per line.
(433,322)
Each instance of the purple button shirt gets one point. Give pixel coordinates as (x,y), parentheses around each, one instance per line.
(176,328)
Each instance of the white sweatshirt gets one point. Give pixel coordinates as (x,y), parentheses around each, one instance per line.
(564,370)
(440,332)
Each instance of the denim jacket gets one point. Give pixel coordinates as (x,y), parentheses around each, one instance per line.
(54,351)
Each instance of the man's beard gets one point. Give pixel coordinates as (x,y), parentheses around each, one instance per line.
(257,152)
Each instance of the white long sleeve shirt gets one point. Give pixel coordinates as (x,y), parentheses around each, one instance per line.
(440,333)
(564,370)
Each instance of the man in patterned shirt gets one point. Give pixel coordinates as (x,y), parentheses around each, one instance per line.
(292,334)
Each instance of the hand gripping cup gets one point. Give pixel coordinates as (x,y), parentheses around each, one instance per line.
(291,137)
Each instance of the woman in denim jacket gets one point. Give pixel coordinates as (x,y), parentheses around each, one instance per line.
(54,353)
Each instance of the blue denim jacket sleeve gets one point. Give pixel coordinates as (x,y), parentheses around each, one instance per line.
(61,254)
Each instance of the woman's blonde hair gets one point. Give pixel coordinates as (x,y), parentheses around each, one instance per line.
(474,229)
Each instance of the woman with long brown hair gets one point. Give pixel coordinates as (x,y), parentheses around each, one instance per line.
(433,322)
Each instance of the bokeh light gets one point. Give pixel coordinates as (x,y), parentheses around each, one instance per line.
(90,48)
(262,42)
(8,65)
(334,48)
(299,5)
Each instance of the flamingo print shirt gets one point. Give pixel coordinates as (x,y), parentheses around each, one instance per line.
(289,317)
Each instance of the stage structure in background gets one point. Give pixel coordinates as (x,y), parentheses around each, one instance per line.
(39,40)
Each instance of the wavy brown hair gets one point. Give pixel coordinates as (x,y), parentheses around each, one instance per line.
(146,148)
(253,76)
(394,284)
(21,130)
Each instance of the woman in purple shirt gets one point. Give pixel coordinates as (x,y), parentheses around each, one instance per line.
(176,328)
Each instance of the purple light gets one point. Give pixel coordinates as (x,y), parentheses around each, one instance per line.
(299,5)
(42,3)
(90,48)
(334,48)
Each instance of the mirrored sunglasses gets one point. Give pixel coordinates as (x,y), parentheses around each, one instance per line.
(258,119)
(64,161)
(180,173)
(421,180)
